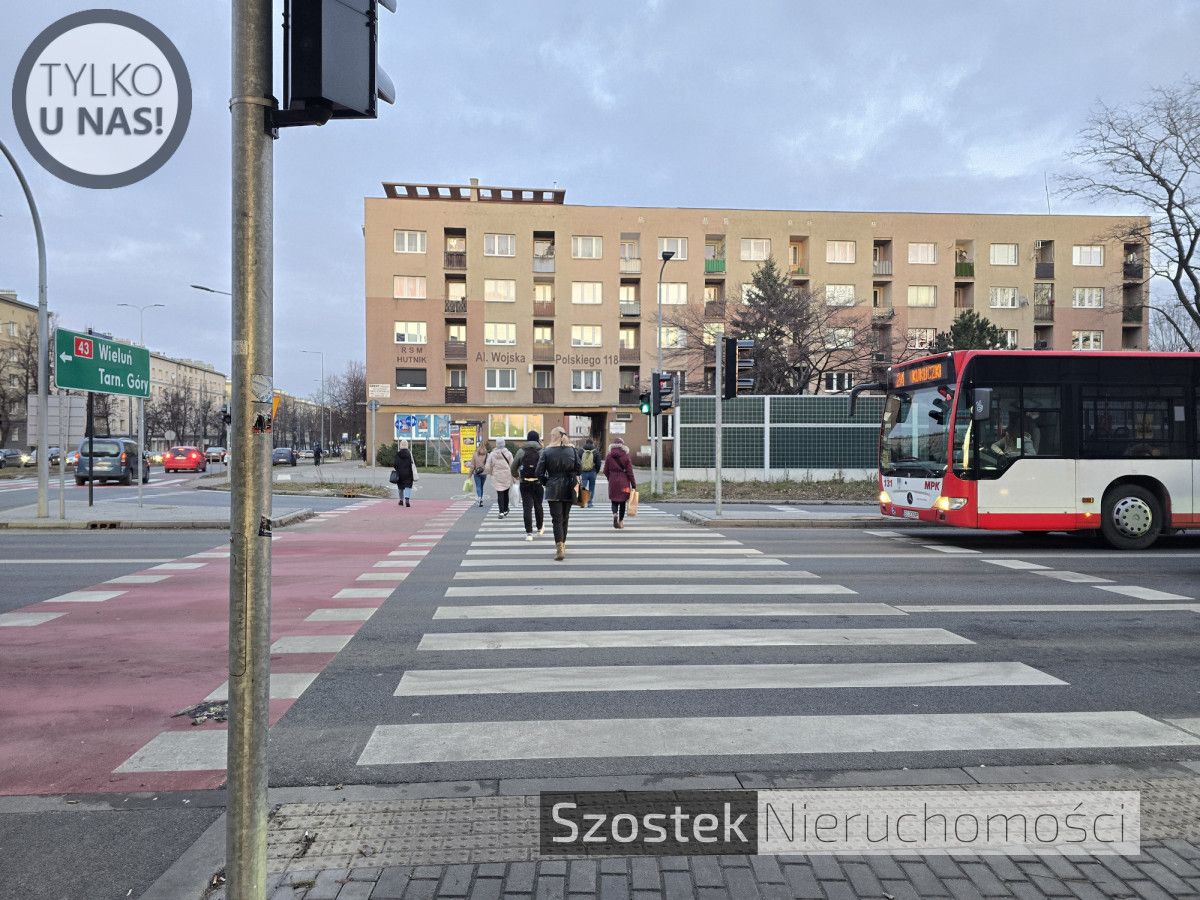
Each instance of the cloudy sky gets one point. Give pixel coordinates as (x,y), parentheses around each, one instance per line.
(800,105)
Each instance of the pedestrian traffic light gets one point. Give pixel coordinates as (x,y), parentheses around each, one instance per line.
(663,392)
(940,412)
(644,402)
(739,367)
(331,68)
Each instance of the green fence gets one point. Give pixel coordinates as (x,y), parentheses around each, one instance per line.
(779,436)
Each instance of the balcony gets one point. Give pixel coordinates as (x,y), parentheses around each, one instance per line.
(1133,315)
(628,396)
(882,267)
(543,310)
(456,307)
(630,355)
(1043,270)
(964,269)
(455,350)
(456,259)
(456,395)
(543,351)
(631,309)
(543,395)
(714,267)
(1043,312)
(883,312)
(798,271)
(714,309)
(543,264)
(1133,271)
(631,265)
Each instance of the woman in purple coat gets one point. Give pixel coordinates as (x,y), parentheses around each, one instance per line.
(618,469)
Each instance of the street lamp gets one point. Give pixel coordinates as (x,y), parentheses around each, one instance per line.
(208,290)
(656,416)
(142,400)
(321,353)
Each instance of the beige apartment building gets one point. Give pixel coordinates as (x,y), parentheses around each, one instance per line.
(510,307)
(18,327)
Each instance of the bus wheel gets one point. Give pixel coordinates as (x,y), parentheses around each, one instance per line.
(1131,518)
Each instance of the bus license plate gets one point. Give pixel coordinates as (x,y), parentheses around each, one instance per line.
(911,514)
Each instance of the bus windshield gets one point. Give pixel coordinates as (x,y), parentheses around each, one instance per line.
(914,438)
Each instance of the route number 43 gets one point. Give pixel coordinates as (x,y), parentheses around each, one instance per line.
(83,348)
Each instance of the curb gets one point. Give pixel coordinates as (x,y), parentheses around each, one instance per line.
(283,521)
(707,520)
(327,495)
(863,503)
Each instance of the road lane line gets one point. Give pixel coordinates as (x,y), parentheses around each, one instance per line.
(616,560)
(1141,593)
(1050,607)
(637,574)
(311,643)
(650,610)
(363,593)
(137,579)
(1073,577)
(1015,564)
(635,590)
(26,619)
(85,597)
(624,549)
(349,614)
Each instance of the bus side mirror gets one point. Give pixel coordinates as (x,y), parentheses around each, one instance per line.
(981,404)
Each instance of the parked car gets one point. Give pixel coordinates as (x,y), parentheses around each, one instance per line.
(73,459)
(156,458)
(184,459)
(9,457)
(215,454)
(283,456)
(111,459)
(306,454)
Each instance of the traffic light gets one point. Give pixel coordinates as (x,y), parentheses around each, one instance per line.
(226,418)
(330,61)
(940,412)
(663,392)
(739,367)
(644,402)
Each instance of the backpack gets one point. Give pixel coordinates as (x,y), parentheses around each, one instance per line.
(589,461)
(529,461)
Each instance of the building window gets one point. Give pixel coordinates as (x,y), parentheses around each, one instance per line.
(410,332)
(629,250)
(456,243)
(628,338)
(839,339)
(756,249)
(586,247)
(501,379)
(1004,254)
(543,292)
(456,290)
(502,334)
(674,293)
(839,295)
(543,248)
(587,292)
(627,293)
(513,425)
(1088,298)
(677,245)
(409,241)
(456,377)
(585,379)
(1011,340)
(839,251)
(839,381)
(543,334)
(543,378)
(1087,255)
(672,338)
(12,329)
(1003,297)
(411,378)
(922,295)
(456,332)
(499,290)
(712,331)
(585,336)
(1087,340)
(745,292)
(499,245)
(922,254)
(921,338)
(408,287)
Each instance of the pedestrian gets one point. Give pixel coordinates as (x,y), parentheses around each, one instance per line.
(317,455)
(558,468)
(618,469)
(479,470)
(524,467)
(499,466)
(589,466)
(406,473)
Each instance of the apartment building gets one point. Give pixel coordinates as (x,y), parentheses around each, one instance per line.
(18,367)
(509,307)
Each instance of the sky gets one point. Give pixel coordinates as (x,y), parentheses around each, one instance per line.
(852,105)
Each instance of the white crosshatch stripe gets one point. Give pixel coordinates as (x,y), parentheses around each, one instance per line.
(637,590)
(27,619)
(85,596)
(1073,577)
(1141,593)
(363,593)
(382,576)
(639,574)
(663,610)
(1051,607)
(1015,564)
(284,686)
(626,550)
(348,614)
(771,735)
(675,562)
(178,566)
(311,643)
(199,750)
(137,579)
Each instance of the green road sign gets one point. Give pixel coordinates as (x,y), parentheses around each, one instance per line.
(84,362)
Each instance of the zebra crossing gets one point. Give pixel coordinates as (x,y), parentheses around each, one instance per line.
(528,659)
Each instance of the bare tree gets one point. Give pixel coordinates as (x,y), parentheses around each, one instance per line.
(345,394)
(18,379)
(1171,331)
(1149,154)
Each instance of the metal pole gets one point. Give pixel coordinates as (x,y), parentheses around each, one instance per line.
(43,372)
(656,485)
(675,450)
(141,444)
(64,441)
(91,436)
(650,437)
(719,401)
(250,403)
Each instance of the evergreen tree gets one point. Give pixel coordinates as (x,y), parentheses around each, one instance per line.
(970,331)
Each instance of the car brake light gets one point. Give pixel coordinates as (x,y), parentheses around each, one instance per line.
(122,459)
(194,455)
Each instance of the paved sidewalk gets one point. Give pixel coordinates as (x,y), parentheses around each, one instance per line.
(122,513)
(800,515)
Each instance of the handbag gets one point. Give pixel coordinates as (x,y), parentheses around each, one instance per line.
(631,507)
(394,477)
(584,496)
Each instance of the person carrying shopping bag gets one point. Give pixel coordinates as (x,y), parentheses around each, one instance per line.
(478,472)
(524,467)
(499,466)
(404,473)
(558,469)
(618,469)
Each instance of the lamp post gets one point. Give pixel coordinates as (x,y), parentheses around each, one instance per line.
(656,480)
(141,400)
(208,290)
(321,353)
(43,372)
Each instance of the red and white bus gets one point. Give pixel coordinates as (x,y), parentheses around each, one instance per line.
(1044,441)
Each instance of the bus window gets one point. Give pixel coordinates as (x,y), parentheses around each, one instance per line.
(1024,422)
(1132,421)
(1041,407)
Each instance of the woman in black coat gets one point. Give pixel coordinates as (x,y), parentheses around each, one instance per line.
(558,469)
(406,473)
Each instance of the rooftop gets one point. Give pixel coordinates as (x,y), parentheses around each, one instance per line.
(473,193)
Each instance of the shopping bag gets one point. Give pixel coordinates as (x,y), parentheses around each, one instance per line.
(631,505)
(467,486)
(394,477)
(584,496)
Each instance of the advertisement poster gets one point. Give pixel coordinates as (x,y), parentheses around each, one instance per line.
(468,437)
(455,447)
(422,428)
(441,427)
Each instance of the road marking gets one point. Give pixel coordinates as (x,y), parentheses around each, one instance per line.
(677,563)
(755,735)
(647,610)
(1073,577)
(26,620)
(1191,726)
(1141,593)
(179,566)
(180,751)
(624,549)
(1051,607)
(211,554)
(606,540)
(311,643)
(85,597)
(284,686)
(569,679)
(349,614)
(138,579)
(1015,564)
(285,478)
(636,590)
(888,534)
(409,553)
(362,593)
(635,574)
(947,548)
(699,637)
(76,562)
(409,564)
(382,576)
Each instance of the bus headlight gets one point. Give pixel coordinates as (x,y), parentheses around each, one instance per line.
(946,504)
(885,498)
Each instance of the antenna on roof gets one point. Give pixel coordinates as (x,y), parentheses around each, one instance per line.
(1046,182)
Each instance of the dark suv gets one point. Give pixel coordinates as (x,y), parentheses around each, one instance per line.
(113,459)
